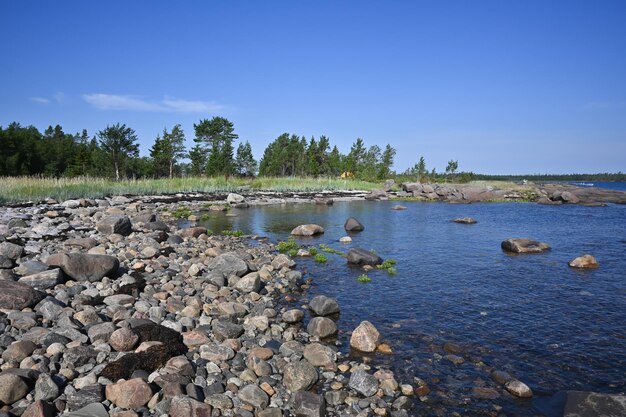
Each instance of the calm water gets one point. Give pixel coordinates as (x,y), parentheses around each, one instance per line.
(553,327)
(619,186)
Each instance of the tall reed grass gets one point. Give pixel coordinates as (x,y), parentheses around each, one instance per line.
(21,189)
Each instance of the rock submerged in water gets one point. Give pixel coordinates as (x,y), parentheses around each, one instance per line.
(465,220)
(520,245)
(353,225)
(585,261)
(518,388)
(359,256)
(308,230)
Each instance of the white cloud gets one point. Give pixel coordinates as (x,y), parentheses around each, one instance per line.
(135,103)
(40,100)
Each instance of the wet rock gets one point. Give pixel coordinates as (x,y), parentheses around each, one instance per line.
(308,230)
(183,406)
(365,337)
(585,261)
(590,404)
(299,376)
(133,393)
(457,360)
(363,383)
(320,355)
(12,388)
(11,250)
(345,239)
(308,404)
(524,246)
(322,305)
(292,316)
(353,225)
(518,388)
(85,266)
(501,377)
(359,256)
(123,340)
(18,351)
(321,327)
(398,207)
(120,225)
(253,395)
(40,409)
(485,393)
(17,296)
(321,201)
(43,280)
(465,220)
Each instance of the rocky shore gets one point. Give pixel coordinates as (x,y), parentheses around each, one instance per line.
(108,309)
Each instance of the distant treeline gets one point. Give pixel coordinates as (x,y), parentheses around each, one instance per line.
(550,177)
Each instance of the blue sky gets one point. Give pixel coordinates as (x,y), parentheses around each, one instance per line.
(501,86)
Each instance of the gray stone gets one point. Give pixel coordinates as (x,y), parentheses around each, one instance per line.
(321,327)
(17,296)
(85,266)
(308,404)
(322,305)
(365,337)
(183,406)
(335,397)
(363,383)
(45,388)
(293,316)
(592,404)
(102,331)
(360,256)
(518,388)
(299,376)
(50,309)
(249,283)
(353,225)
(120,225)
(308,230)
(44,280)
(320,355)
(254,396)
(85,396)
(79,356)
(5,263)
(30,267)
(220,401)
(12,388)
(91,410)
(18,351)
(229,263)
(216,353)
(226,330)
(233,198)
(524,246)
(11,250)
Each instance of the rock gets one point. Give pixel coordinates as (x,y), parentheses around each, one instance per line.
(119,299)
(398,207)
(12,388)
(359,256)
(411,187)
(5,263)
(193,232)
(485,393)
(17,296)
(455,359)
(501,377)
(524,246)
(79,356)
(254,396)
(585,261)
(363,383)
(133,393)
(308,230)
(82,242)
(226,330)
(320,355)
(228,263)
(249,283)
(85,396)
(30,268)
(44,280)
(91,410)
(85,266)
(100,331)
(465,220)
(377,194)
(591,404)
(120,225)
(308,404)
(568,197)
(518,388)
(322,201)
(11,250)
(322,305)
(299,376)
(216,353)
(40,409)
(293,316)
(123,340)
(365,337)
(353,225)
(233,198)
(45,388)
(345,239)
(184,406)
(321,327)
(18,351)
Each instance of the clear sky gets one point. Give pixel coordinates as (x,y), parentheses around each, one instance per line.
(501,86)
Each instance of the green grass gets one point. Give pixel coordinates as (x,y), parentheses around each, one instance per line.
(20,189)
(364,279)
(181,212)
(320,258)
(236,233)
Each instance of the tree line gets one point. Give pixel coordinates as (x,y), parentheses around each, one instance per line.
(114,152)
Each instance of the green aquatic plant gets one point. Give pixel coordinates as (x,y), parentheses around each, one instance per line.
(204,217)
(181,212)
(364,279)
(387,265)
(328,249)
(320,258)
(236,233)
(293,253)
(312,250)
(287,245)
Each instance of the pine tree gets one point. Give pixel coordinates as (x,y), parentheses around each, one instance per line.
(119,142)
(245,164)
(216,136)
(386,162)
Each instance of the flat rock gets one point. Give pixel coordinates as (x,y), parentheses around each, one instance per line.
(585,261)
(18,351)
(320,355)
(193,231)
(44,280)
(228,263)
(521,245)
(17,296)
(308,230)
(360,256)
(91,410)
(465,220)
(365,337)
(322,305)
(120,225)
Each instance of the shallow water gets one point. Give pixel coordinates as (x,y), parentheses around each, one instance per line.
(551,326)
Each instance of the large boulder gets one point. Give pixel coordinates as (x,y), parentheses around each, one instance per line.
(228,263)
(120,225)
(17,296)
(521,245)
(321,327)
(585,261)
(85,266)
(193,231)
(308,230)
(365,337)
(377,194)
(353,225)
(360,256)
(233,198)
(411,187)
